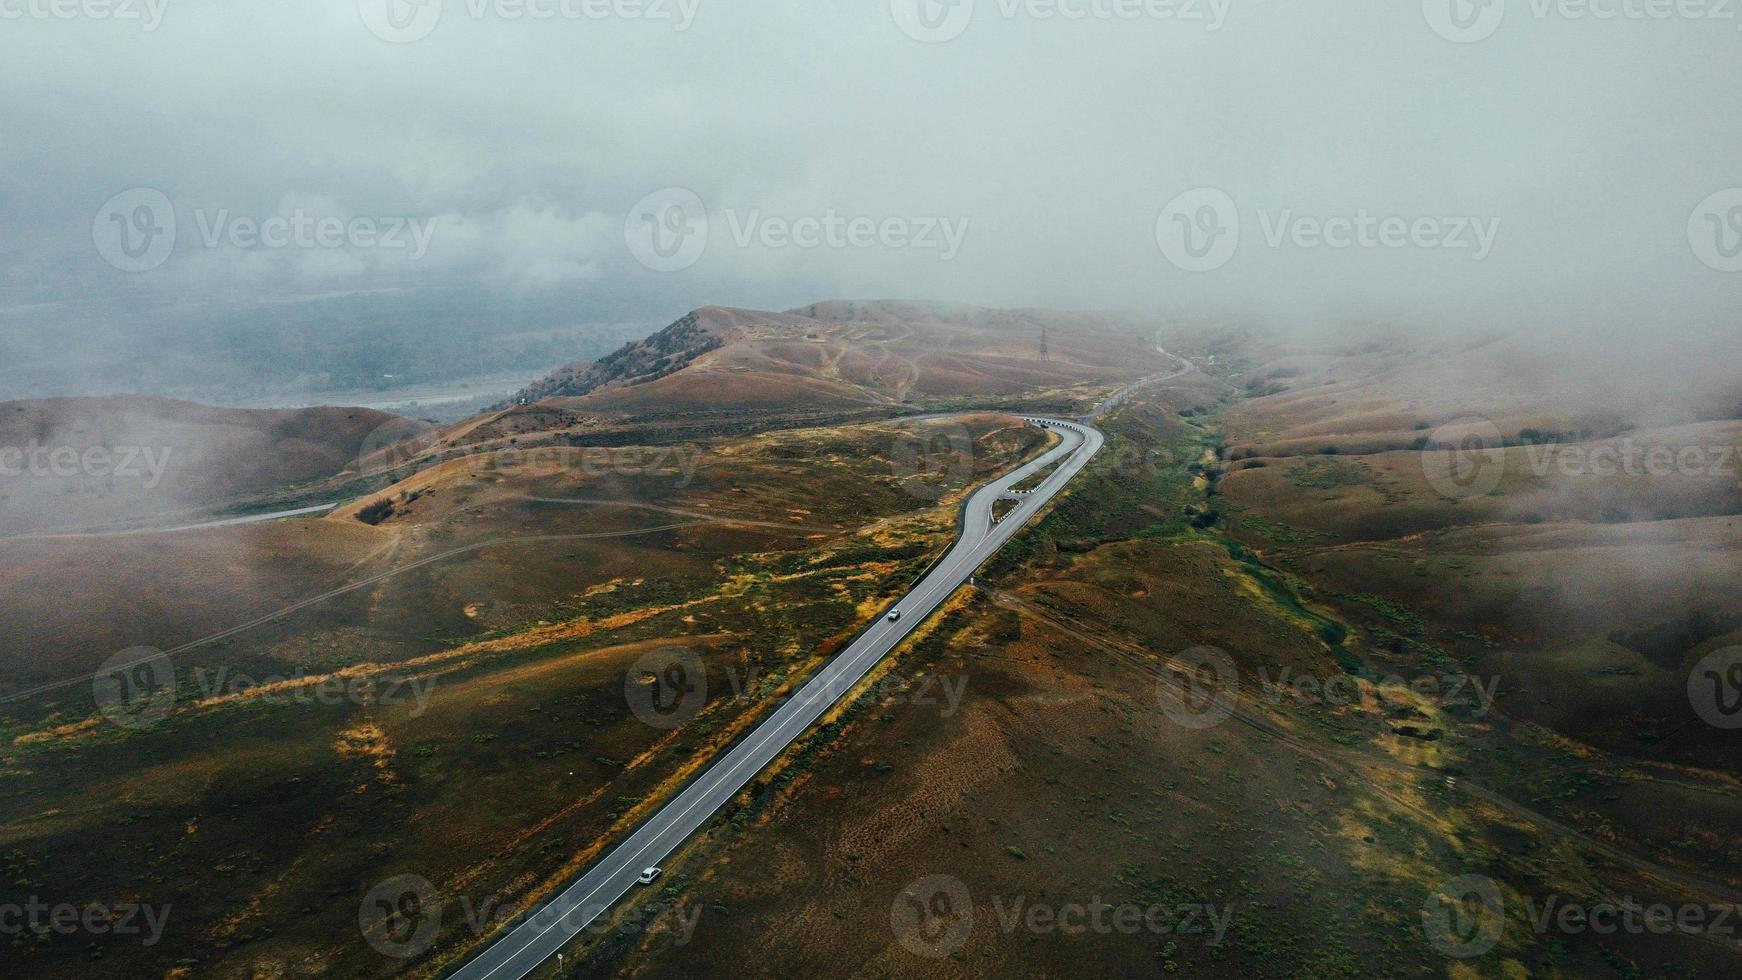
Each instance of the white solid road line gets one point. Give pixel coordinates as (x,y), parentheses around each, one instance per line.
(538,938)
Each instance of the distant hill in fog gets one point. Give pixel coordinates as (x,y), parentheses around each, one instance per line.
(292,352)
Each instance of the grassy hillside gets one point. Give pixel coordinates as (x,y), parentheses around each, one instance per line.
(441,692)
(1420,701)
(75,463)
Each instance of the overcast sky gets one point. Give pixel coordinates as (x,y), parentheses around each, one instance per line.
(1545,165)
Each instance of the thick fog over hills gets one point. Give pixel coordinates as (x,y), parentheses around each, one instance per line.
(495,489)
(256,201)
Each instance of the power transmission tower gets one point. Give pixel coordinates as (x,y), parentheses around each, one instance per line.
(1043,352)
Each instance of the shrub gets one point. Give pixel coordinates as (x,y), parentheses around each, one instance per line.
(376,512)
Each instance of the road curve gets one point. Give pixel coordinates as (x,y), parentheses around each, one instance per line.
(538,937)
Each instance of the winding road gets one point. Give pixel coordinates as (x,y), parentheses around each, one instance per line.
(538,937)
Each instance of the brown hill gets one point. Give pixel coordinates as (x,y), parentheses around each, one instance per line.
(638,362)
(68,463)
(844,353)
(1390,392)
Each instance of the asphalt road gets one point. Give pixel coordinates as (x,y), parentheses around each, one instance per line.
(538,937)
(254,518)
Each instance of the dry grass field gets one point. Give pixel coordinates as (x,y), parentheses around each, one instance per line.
(1429,685)
(461,713)
(1428,689)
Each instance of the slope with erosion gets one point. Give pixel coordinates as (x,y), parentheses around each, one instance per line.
(719,370)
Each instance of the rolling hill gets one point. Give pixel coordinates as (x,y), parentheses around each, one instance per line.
(74,463)
(848,354)
(717,368)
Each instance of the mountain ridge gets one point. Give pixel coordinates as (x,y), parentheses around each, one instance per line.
(840,352)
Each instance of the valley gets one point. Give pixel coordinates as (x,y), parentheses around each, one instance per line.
(1266,673)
